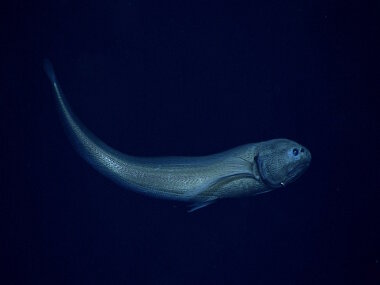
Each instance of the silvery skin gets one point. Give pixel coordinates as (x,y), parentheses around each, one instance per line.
(246,170)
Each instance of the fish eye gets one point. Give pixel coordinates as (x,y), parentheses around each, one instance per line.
(295,151)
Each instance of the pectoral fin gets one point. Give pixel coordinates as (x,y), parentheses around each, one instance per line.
(199,205)
(235,168)
(212,187)
(208,195)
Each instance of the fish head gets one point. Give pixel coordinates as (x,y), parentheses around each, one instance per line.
(281,161)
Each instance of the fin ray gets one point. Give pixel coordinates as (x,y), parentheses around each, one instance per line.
(199,205)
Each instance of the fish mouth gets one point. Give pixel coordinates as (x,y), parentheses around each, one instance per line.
(298,171)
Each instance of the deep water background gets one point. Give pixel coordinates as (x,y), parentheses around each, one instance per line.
(156,78)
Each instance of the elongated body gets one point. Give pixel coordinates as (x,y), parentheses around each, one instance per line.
(246,170)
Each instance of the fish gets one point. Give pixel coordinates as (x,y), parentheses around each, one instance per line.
(243,171)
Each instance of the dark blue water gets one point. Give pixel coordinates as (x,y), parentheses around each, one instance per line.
(156,78)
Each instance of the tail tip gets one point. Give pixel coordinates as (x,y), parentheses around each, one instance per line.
(49,70)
